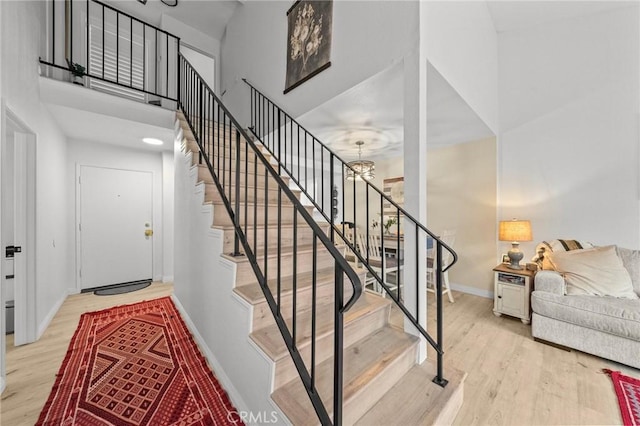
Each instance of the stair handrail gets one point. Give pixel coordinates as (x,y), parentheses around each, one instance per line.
(258,97)
(191,80)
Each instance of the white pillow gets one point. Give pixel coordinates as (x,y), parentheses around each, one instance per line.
(597,271)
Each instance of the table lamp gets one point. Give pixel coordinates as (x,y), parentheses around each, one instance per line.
(515,231)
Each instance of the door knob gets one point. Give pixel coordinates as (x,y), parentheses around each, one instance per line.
(148,232)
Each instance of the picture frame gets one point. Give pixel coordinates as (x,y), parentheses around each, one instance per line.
(308,41)
(505,258)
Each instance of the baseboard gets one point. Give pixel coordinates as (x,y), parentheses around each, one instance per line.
(52,313)
(233,393)
(167,279)
(472,290)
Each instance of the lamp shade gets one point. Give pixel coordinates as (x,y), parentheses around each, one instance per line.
(515,230)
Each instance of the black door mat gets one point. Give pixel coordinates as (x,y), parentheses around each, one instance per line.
(122,288)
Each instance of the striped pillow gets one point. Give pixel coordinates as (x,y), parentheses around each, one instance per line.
(556,246)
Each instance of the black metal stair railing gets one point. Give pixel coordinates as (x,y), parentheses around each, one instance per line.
(118,52)
(239,167)
(317,170)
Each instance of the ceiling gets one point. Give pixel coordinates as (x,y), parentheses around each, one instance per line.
(373,112)
(208,16)
(84,125)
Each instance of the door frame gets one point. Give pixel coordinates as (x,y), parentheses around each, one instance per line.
(25,145)
(78,256)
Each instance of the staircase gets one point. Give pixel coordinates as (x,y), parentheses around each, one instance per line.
(381,383)
(336,356)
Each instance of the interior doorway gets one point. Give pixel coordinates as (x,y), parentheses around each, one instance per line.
(17,230)
(202,62)
(115,230)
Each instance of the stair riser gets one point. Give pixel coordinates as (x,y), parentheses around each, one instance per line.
(224,156)
(245,274)
(211,194)
(353,331)
(223,143)
(205,176)
(325,290)
(304,236)
(251,158)
(221,218)
(369,395)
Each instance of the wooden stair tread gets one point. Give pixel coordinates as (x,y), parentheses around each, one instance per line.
(363,361)
(285,251)
(416,400)
(260,226)
(270,339)
(253,293)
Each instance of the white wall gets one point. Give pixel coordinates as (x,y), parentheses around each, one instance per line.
(195,39)
(111,156)
(461,190)
(23,26)
(203,286)
(368,37)
(568,151)
(168,208)
(462,46)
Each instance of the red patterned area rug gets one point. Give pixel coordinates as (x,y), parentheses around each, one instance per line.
(136,365)
(628,392)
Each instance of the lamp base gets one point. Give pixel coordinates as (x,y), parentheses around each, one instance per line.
(515,256)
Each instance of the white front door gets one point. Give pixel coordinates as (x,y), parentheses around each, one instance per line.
(115,218)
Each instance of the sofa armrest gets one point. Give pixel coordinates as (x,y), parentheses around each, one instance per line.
(550,281)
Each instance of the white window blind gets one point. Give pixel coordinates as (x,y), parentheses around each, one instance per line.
(113,60)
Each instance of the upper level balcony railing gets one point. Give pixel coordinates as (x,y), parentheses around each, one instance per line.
(116,52)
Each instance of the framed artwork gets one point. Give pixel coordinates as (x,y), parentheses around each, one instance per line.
(394,189)
(308,40)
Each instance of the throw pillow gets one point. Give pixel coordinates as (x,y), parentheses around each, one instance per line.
(631,261)
(547,247)
(597,271)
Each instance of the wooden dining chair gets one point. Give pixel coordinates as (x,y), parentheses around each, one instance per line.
(378,262)
(449,238)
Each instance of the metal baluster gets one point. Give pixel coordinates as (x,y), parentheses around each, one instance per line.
(255,204)
(53,31)
(130,52)
(314,266)
(338,367)
(266,222)
(236,214)
(144,60)
(279,261)
(439,377)
(418,260)
(398,275)
(295,276)
(117,46)
(71,31)
(88,29)
(279,145)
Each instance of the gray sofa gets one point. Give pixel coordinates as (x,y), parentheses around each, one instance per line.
(604,326)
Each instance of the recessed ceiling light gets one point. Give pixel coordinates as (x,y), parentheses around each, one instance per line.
(152,141)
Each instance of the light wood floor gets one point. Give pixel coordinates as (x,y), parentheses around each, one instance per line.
(512,380)
(31,369)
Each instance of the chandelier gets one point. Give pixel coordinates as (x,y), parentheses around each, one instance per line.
(361,169)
